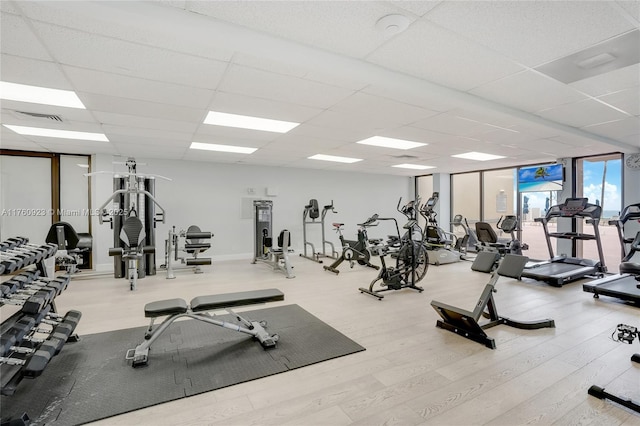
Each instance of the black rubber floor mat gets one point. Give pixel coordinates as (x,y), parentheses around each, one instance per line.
(91,380)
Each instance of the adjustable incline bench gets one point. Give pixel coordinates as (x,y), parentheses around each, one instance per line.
(199,309)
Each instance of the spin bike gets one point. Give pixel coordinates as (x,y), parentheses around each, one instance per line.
(412,260)
(354,251)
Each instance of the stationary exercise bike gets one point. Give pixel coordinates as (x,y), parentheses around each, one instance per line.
(412,260)
(354,251)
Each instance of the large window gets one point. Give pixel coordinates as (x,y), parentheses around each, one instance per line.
(498,194)
(465,196)
(600,180)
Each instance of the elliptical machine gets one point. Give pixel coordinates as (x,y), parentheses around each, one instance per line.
(354,251)
(312,211)
(438,241)
(468,242)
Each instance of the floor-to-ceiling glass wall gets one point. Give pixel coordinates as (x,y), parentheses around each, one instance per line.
(600,180)
(538,187)
(465,200)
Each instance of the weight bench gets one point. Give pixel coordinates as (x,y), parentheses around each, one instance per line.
(199,309)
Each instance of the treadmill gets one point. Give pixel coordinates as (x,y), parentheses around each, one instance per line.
(560,270)
(626,284)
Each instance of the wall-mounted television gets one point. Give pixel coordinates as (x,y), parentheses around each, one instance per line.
(541,178)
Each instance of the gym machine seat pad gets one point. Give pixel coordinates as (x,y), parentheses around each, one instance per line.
(212,302)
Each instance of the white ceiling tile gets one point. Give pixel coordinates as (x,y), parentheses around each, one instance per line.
(528,91)
(135,88)
(617,129)
(270,65)
(149,143)
(18,39)
(232,136)
(111,20)
(450,124)
(16,69)
(412,96)
(137,132)
(336,133)
(346,27)
(532,32)
(133,107)
(418,8)
(294,142)
(234,103)
(443,57)
(627,100)
(377,109)
(357,121)
(263,84)
(632,7)
(85,50)
(613,81)
(129,121)
(74,147)
(583,113)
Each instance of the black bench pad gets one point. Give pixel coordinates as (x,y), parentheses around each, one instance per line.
(228,300)
(165,307)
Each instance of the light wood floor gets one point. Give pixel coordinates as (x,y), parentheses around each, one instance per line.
(412,373)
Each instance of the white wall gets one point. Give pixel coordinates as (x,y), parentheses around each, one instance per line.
(217,198)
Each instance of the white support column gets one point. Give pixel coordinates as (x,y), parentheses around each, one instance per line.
(442,184)
(101,190)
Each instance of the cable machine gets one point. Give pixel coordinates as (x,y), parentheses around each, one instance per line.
(133,196)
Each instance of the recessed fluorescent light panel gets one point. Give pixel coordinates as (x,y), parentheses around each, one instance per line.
(413,166)
(55,133)
(39,95)
(222,148)
(479,156)
(334,158)
(246,122)
(390,143)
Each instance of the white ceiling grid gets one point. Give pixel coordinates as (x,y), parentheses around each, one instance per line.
(460,78)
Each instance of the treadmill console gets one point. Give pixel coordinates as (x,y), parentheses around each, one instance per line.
(575,207)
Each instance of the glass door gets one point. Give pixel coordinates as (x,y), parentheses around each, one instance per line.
(600,180)
(534,205)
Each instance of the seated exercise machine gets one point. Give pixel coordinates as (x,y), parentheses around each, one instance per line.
(199,309)
(264,249)
(491,248)
(559,270)
(354,251)
(469,241)
(626,284)
(133,249)
(626,334)
(438,242)
(72,246)
(466,323)
(412,260)
(312,211)
(190,242)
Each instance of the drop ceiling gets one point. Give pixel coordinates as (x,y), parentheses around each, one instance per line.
(464,76)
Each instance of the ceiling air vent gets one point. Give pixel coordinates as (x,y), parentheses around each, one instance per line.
(53,117)
(405,157)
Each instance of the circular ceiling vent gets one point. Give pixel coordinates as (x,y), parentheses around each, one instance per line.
(392,24)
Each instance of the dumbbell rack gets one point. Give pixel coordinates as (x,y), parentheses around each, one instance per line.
(32,331)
